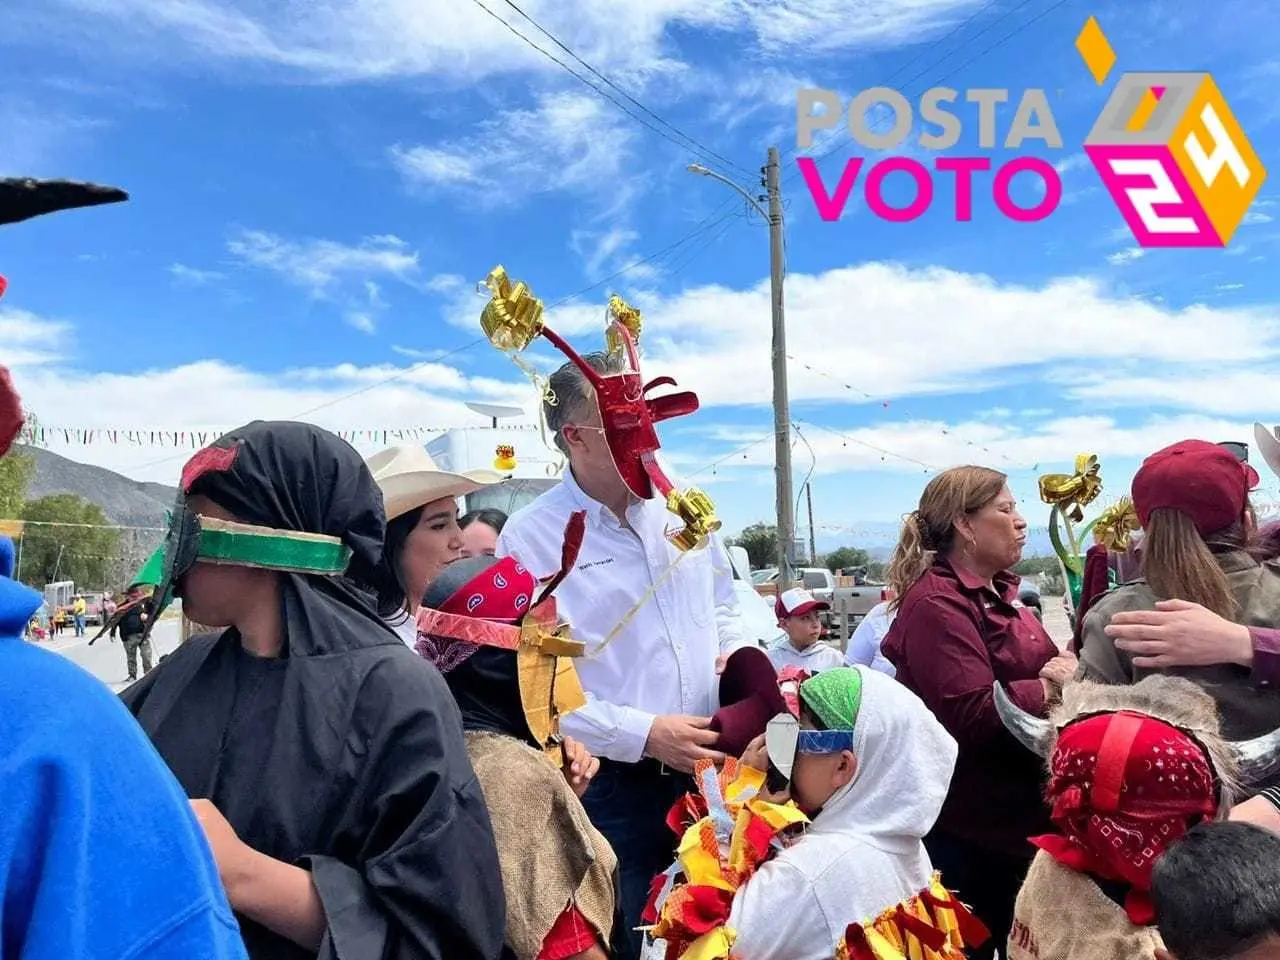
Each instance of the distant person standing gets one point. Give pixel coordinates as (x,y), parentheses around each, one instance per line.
(133,628)
(77,614)
(480,529)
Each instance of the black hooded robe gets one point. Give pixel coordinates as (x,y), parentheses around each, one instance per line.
(345,756)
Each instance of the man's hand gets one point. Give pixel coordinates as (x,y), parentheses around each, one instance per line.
(234,857)
(579,766)
(1178,633)
(679,742)
(720,662)
(1060,669)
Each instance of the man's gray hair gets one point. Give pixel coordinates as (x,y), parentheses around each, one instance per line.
(570,391)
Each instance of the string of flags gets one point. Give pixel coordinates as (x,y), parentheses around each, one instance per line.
(884,405)
(41,435)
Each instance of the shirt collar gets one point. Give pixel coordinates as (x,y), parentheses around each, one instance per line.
(1005,582)
(596,511)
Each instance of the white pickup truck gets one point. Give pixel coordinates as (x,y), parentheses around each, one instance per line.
(856,601)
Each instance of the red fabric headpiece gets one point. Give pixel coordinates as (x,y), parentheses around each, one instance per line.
(1123,787)
(628,414)
(10,412)
(501,593)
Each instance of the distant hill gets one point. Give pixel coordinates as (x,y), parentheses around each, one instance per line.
(124,501)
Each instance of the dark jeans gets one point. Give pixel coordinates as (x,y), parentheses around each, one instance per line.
(628,803)
(986,880)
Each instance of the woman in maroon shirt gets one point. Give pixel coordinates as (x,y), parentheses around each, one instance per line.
(959,628)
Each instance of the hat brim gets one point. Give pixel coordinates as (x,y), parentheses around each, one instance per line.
(809,607)
(1267,442)
(408,491)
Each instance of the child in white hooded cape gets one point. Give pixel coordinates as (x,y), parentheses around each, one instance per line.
(870,772)
(869,808)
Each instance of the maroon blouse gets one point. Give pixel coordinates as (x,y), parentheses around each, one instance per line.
(951,639)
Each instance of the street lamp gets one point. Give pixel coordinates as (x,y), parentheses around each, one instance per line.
(781,402)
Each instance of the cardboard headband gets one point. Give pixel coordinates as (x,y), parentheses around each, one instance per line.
(544,649)
(513,318)
(194,538)
(784,741)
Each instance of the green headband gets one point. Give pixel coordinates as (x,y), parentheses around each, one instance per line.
(246,545)
(834,697)
(242,544)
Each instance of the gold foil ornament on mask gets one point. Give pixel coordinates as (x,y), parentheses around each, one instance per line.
(513,316)
(619,311)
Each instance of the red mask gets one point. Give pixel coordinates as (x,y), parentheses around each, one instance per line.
(627,412)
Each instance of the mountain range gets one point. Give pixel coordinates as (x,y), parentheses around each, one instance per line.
(134,504)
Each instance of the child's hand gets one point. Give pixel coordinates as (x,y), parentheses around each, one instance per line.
(756,755)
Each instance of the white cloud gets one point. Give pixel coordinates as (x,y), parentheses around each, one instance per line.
(27,340)
(1226,287)
(1076,161)
(194,275)
(318,265)
(370,39)
(1254,218)
(1123,257)
(569,141)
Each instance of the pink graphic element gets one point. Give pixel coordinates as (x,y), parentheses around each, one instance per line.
(1052,189)
(924,189)
(1154,196)
(1157,92)
(964,168)
(830,207)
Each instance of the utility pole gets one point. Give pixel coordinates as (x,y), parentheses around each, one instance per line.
(786,505)
(813,537)
(781,403)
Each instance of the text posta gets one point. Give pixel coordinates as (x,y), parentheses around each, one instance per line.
(1033,120)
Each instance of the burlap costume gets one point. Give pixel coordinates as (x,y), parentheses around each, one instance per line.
(550,853)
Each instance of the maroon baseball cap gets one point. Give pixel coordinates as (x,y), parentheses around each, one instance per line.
(1204,480)
(796,602)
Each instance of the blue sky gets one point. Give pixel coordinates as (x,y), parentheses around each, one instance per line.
(317,187)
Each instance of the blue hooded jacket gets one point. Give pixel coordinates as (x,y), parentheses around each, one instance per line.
(100,854)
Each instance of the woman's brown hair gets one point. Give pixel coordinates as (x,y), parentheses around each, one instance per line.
(1179,564)
(930,529)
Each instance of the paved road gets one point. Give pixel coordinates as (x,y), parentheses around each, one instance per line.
(105,659)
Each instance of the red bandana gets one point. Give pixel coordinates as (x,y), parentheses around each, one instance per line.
(499,594)
(1123,788)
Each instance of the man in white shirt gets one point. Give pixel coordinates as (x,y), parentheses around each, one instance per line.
(652,688)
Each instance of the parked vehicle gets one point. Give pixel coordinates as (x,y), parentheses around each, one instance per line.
(1029,596)
(759,621)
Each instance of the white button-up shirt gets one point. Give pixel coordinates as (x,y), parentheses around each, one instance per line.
(663,660)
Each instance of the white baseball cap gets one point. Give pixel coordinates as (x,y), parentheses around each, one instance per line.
(797,602)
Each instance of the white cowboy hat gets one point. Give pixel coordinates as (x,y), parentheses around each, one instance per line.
(409,478)
(1269,444)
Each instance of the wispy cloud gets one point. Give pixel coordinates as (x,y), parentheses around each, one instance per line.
(567,142)
(194,276)
(319,265)
(1122,257)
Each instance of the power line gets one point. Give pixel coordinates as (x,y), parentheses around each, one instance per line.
(556,40)
(982,53)
(580,78)
(933,46)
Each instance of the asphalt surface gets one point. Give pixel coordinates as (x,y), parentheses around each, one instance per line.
(105,659)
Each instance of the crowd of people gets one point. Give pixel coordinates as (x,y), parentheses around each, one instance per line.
(411,734)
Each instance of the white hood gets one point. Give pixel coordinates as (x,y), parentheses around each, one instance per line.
(863,853)
(905,762)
